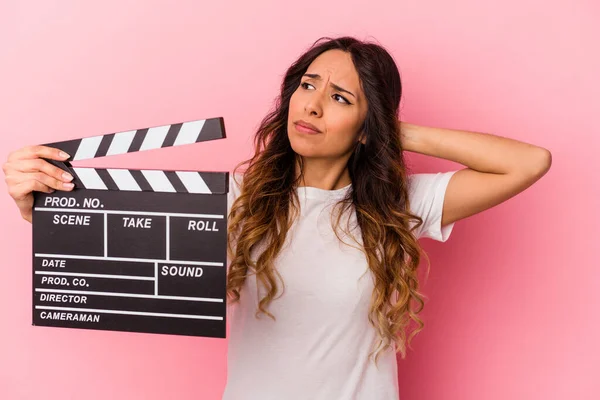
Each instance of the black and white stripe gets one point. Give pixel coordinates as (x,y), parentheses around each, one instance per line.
(151,180)
(143,139)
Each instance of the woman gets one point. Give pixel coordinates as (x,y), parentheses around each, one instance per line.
(324,225)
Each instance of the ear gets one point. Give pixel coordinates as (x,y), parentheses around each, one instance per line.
(362,137)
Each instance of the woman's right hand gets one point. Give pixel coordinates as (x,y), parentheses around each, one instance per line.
(26,171)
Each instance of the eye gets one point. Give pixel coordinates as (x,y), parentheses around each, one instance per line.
(305,83)
(343,98)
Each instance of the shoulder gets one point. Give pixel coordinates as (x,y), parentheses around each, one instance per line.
(235,186)
(235,180)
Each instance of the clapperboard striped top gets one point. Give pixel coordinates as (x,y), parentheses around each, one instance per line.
(147,139)
(151,180)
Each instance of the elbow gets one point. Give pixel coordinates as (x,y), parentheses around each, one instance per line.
(541,162)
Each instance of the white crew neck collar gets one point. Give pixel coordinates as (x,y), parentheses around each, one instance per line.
(317,193)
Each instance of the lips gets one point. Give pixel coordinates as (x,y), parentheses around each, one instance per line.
(306,127)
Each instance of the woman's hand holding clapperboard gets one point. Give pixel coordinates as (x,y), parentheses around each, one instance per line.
(26,171)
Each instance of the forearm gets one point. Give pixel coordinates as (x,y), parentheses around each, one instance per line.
(478,151)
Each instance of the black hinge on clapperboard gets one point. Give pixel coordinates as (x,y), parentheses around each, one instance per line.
(133,250)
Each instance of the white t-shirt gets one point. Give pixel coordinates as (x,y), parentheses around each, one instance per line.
(318,346)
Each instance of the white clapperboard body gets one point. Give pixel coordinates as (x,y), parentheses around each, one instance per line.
(133,250)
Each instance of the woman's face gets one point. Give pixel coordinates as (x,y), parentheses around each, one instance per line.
(331,99)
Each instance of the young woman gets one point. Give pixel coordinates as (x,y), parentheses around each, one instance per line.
(324,225)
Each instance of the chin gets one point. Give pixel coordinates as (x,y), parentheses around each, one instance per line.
(300,144)
(299,148)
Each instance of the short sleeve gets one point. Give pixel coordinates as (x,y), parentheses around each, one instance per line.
(426,197)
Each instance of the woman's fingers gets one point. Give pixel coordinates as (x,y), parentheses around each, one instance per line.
(25,188)
(38,151)
(23,196)
(34,165)
(26,171)
(25,180)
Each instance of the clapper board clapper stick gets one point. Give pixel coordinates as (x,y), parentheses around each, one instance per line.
(133,250)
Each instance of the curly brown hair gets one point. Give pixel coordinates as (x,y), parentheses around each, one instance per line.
(268,204)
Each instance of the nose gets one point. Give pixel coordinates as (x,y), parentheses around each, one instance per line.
(313,105)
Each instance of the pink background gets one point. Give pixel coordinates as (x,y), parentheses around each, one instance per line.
(513,296)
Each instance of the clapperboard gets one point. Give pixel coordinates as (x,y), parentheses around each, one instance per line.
(133,250)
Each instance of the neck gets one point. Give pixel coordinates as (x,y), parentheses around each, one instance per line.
(324,173)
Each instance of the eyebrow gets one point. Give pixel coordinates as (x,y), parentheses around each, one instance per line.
(336,87)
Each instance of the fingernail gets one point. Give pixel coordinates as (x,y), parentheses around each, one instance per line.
(67,176)
(64,155)
(68,185)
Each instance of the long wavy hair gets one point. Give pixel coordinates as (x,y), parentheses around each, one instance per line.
(268,204)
